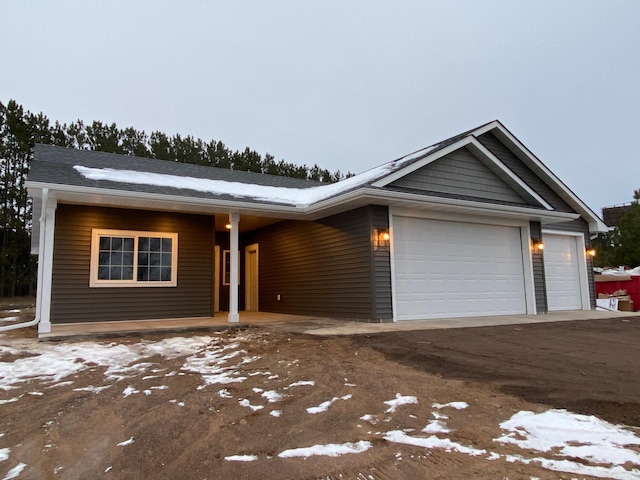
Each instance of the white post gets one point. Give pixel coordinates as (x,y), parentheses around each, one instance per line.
(234,283)
(45,261)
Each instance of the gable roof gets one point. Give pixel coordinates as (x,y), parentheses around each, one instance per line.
(102,175)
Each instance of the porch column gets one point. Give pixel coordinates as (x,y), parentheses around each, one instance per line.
(45,261)
(234,218)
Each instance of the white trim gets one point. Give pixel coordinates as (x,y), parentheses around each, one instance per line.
(428,158)
(513,176)
(46,258)
(527,265)
(248,278)
(234,316)
(595,224)
(392,257)
(585,298)
(94,282)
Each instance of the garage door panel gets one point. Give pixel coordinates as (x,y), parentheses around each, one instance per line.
(453,269)
(562,272)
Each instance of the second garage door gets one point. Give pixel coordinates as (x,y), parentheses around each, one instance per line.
(449,269)
(562,272)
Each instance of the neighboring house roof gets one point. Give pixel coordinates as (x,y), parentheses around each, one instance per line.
(78,174)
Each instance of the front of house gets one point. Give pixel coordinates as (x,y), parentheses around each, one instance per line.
(453,230)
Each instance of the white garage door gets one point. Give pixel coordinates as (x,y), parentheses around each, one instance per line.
(562,272)
(450,269)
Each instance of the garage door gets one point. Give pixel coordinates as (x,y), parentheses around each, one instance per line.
(561,272)
(450,269)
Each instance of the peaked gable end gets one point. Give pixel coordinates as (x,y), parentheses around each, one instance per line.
(462,174)
(519,167)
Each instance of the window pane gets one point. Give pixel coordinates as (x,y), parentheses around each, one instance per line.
(127,245)
(166,244)
(154,244)
(127,259)
(154,259)
(103,258)
(143,274)
(154,274)
(116,258)
(143,244)
(116,243)
(143,259)
(116,273)
(103,273)
(105,243)
(165,273)
(166,259)
(127,273)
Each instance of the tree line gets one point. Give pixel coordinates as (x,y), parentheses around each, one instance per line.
(21,129)
(621,245)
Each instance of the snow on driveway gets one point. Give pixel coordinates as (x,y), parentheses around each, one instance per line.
(555,439)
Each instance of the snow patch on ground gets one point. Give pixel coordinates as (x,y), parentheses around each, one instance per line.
(400,400)
(15,471)
(329,450)
(568,434)
(241,458)
(324,406)
(456,405)
(398,436)
(126,442)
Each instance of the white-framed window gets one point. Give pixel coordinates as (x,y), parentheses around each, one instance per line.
(124,258)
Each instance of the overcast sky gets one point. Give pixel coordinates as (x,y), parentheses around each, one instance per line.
(344,84)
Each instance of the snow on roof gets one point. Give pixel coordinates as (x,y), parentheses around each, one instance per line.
(283,195)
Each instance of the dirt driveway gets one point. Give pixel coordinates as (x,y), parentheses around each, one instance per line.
(264,404)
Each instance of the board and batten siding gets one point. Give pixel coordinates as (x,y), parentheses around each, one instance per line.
(462,174)
(537,261)
(73,301)
(320,268)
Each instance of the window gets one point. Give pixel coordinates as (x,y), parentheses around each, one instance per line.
(133,259)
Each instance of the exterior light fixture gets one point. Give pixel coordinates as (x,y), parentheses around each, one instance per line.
(381,237)
(591,252)
(228,226)
(538,246)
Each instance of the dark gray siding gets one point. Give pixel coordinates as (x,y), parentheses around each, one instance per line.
(580,225)
(523,171)
(382,309)
(462,174)
(73,301)
(537,260)
(317,268)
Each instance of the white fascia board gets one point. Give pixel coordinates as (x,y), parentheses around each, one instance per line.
(383,182)
(495,160)
(371,195)
(132,199)
(595,224)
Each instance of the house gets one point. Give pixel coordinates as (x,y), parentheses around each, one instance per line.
(452,230)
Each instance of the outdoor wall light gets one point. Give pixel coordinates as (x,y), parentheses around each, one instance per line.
(228,226)
(591,252)
(538,246)
(381,237)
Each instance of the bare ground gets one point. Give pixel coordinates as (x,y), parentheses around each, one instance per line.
(185,430)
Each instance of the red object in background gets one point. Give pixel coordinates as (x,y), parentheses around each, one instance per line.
(632,286)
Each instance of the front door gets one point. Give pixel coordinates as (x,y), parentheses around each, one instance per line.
(251,278)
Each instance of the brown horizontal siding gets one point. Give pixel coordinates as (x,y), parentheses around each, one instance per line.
(318,268)
(72,299)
